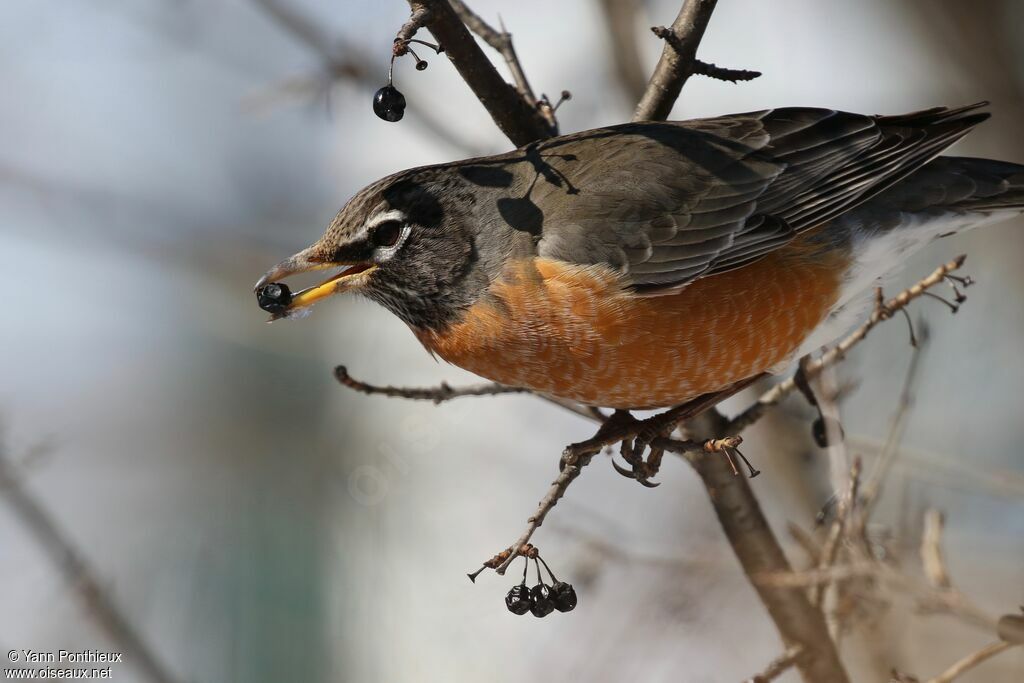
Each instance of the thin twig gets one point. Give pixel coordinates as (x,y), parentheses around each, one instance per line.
(929,599)
(879,472)
(521,122)
(806,542)
(883,311)
(831,548)
(439,394)
(777,666)
(677,60)
(555,492)
(500,41)
(931,551)
(970,661)
(720,73)
(578,455)
(78,573)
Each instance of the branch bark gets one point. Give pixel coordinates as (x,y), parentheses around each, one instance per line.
(799,623)
(678,58)
(514,116)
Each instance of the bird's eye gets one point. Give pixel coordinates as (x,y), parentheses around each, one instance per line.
(386,234)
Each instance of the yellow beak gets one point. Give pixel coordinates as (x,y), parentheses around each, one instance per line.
(275,298)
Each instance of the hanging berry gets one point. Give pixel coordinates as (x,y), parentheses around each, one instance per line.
(518,600)
(389,102)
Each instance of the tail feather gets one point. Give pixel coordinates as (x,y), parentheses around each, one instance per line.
(951,190)
(946,196)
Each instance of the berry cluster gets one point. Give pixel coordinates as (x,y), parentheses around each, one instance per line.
(542,599)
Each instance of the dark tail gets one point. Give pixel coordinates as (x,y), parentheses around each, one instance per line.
(957,191)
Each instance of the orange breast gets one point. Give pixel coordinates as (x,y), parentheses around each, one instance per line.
(575,332)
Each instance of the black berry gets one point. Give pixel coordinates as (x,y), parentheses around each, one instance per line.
(542,605)
(563,595)
(518,600)
(274,297)
(421,65)
(389,104)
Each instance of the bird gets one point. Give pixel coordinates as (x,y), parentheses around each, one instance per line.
(641,265)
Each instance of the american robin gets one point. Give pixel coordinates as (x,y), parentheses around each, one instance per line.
(641,265)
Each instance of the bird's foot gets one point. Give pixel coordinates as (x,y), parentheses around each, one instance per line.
(643,463)
(640,468)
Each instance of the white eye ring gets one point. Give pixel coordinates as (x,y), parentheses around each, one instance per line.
(384,253)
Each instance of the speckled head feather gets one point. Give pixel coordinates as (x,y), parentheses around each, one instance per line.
(441,262)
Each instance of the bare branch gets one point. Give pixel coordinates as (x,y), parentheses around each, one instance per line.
(883,311)
(578,455)
(929,599)
(971,661)
(777,666)
(500,41)
(568,474)
(620,18)
(720,73)
(677,60)
(521,122)
(756,547)
(831,547)
(438,394)
(873,486)
(78,573)
(931,550)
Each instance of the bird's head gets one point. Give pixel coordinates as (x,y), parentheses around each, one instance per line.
(408,242)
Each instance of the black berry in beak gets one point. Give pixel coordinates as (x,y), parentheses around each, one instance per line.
(274,297)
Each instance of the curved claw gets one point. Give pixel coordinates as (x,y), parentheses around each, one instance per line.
(629,474)
(649,484)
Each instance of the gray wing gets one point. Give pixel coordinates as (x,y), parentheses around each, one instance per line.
(697,198)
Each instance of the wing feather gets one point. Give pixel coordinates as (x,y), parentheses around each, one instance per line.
(684,200)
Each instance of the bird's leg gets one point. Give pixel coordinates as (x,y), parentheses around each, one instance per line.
(641,468)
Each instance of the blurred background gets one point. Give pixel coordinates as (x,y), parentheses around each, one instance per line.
(251,520)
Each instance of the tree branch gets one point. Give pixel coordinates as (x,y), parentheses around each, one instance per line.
(521,122)
(439,394)
(500,41)
(79,574)
(777,666)
(971,661)
(677,60)
(720,73)
(758,551)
